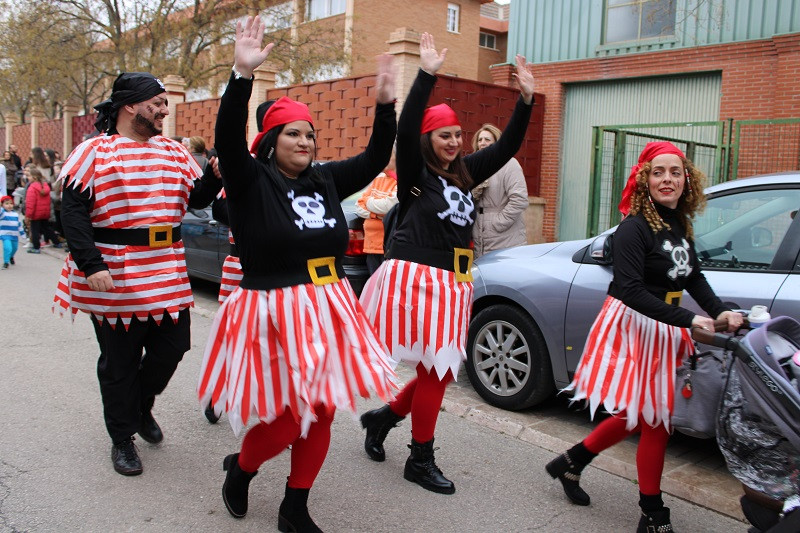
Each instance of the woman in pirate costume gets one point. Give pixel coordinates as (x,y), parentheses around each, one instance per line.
(291,343)
(641,334)
(419,299)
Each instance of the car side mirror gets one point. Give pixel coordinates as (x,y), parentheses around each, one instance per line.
(760,237)
(601,249)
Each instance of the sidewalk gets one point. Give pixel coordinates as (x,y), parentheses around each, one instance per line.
(694,469)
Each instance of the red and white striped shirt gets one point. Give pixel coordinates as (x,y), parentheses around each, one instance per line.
(133,185)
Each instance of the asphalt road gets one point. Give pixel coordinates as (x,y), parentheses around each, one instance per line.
(56,473)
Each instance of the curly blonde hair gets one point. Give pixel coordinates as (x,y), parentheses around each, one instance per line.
(691,203)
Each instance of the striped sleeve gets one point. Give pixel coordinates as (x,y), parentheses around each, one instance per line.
(78,170)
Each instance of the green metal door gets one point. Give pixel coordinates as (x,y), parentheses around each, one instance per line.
(684,98)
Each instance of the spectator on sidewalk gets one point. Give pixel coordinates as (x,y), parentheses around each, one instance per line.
(38,210)
(500,201)
(374,203)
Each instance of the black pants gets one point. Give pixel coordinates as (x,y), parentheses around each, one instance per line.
(39,227)
(373,262)
(130,382)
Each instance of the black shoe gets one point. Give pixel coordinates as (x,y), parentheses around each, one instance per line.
(378,422)
(568,472)
(293,513)
(421,469)
(655,522)
(125,458)
(211,416)
(12,261)
(5,266)
(236,486)
(149,430)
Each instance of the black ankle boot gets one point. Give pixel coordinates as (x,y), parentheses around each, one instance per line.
(236,486)
(293,513)
(378,422)
(421,469)
(567,469)
(655,521)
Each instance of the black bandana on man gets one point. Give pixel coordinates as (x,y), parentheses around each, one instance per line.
(129,88)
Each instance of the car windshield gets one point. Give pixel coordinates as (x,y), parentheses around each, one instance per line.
(744,230)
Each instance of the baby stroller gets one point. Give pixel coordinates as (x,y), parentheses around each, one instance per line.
(758,425)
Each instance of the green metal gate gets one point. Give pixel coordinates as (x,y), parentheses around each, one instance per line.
(724,150)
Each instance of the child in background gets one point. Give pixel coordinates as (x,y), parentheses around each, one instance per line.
(37,210)
(10,230)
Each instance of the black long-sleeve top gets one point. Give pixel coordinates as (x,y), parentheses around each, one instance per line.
(279,223)
(647,265)
(76,207)
(442,216)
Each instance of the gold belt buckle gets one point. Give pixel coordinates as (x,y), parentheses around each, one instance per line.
(674,297)
(160,236)
(458,253)
(330,277)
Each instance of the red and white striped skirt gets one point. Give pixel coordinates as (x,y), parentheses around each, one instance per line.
(231,277)
(293,347)
(628,365)
(421,313)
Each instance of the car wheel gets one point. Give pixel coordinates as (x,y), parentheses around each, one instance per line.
(507,359)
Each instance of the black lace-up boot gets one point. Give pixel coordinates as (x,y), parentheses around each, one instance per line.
(567,468)
(655,517)
(378,422)
(236,486)
(293,514)
(125,458)
(421,469)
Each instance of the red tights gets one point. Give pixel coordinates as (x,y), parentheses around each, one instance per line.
(422,397)
(265,441)
(649,454)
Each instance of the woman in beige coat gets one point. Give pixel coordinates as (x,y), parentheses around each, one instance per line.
(500,202)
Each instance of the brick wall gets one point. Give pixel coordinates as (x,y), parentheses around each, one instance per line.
(81,126)
(21,136)
(197,118)
(343,113)
(51,135)
(758,82)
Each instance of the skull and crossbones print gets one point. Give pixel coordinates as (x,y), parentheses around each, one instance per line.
(311,211)
(460,205)
(680,258)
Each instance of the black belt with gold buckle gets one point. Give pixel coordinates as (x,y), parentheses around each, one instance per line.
(459,261)
(156,236)
(319,271)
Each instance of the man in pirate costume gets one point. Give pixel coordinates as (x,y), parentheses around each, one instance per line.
(124,196)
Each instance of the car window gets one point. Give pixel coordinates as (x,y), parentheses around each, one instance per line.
(742,231)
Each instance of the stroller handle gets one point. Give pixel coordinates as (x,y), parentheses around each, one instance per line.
(726,342)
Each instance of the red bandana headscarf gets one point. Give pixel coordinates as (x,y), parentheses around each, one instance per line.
(651,150)
(284,111)
(439,116)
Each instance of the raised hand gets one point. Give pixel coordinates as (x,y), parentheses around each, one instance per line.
(247,51)
(386,79)
(429,59)
(524,79)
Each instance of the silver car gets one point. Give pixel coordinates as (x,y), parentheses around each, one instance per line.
(533,305)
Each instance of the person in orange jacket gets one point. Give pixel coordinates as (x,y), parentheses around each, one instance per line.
(375,202)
